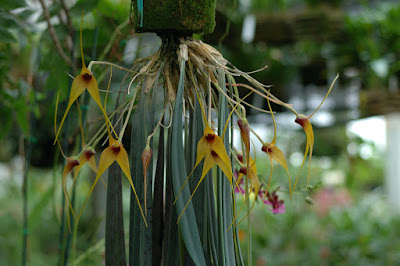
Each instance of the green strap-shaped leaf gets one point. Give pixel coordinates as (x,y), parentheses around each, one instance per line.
(212,220)
(137,146)
(226,188)
(195,133)
(115,239)
(171,236)
(187,224)
(158,211)
(140,236)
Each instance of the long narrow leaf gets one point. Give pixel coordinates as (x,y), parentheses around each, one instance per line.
(171,249)
(136,226)
(158,224)
(187,225)
(115,236)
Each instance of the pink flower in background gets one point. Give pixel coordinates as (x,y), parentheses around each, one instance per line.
(328,198)
(277,205)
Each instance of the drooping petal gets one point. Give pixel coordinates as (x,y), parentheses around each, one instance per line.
(70,164)
(245,135)
(202,149)
(254,177)
(272,170)
(276,154)
(217,145)
(93,89)
(208,164)
(307,127)
(224,167)
(76,90)
(92,164)
(108,156)
(123,161)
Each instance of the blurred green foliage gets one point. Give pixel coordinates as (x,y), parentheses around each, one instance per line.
(44,221)
(32,70)
(362,233)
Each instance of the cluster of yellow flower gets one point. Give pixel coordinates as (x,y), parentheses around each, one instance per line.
(114,152)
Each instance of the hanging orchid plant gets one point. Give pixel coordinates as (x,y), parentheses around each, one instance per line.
(188,88)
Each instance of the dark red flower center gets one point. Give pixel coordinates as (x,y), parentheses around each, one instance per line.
(266,149)
(87,77)
(214,154)
(210,136)
(301,121)
(243,171)
(115,148)
(71,163)
(89,153)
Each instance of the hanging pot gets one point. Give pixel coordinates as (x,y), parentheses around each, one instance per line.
(184,17)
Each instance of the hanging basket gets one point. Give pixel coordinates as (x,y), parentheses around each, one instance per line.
(184,17)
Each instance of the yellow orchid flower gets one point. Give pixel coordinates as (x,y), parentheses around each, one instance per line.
(274,153)
(250,170)
(304,122)
(211,148)
(85,80)
(114,152)
(76,164)
(251,173)
(71,163)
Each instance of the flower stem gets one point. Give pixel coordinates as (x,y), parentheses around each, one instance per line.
(109,64)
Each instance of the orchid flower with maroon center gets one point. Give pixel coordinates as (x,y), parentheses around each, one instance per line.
(304,122)
(74,162)
(114,152)
(69,165)
(274,153)
(211,148)
(251,173)
(85,80)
